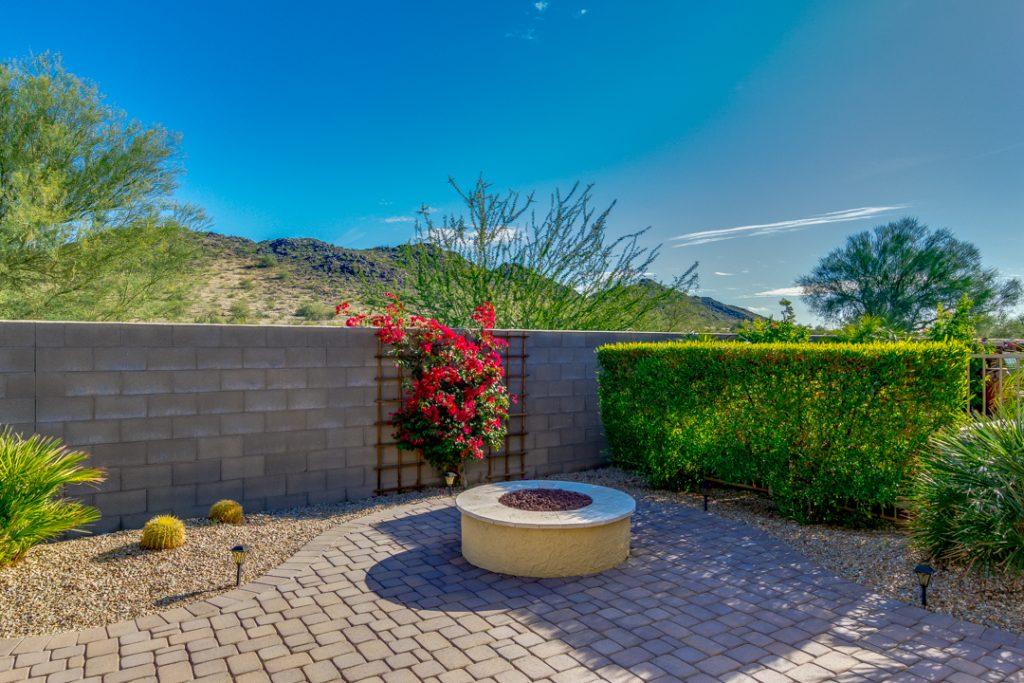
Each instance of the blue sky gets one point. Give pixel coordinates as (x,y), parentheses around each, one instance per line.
(811,120)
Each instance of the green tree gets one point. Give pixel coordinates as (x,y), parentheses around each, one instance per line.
(766,331)
(556,270)
(902,272)
(87,226)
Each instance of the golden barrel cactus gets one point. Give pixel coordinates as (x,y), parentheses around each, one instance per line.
(227,511)
(162,533)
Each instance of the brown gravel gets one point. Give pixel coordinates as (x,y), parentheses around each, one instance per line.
(95,580)
(545,500)
(879,559)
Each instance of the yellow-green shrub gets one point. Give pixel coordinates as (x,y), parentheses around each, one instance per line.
(824,426)
(162,533)
(227,511)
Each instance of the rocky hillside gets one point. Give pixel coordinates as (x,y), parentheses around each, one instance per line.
(297,280)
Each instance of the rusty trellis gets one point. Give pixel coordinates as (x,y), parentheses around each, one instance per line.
(399,470)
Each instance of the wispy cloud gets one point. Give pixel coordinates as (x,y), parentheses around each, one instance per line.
(540,6)
(718,272)
(720,234)
(782,291)
(399,219)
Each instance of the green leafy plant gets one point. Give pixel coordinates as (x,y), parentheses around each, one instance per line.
(163,532)
(33,472)
(266,261)
(239,313)
(312,310)
(833,430)
(969,495)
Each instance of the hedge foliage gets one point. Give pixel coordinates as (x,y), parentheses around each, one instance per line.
(826,427)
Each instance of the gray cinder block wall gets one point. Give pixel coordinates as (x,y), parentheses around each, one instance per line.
(273,416)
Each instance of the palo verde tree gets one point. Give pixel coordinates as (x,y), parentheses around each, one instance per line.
(552,270)
(902,272)
(87,226)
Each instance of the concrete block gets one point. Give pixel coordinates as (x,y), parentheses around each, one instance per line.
(218,402)
(268,399)
(285,463)
(328,378)
(121,454)
(112,407)
(170,499)
(146,477)
(94,334)
(64,409)
(92,383)
(247,467)
(241,423)
(18,411)
(287,378)
(231,380)
(196,381)
(299,399)
(220,447)
(245,336)
(147,335)
(146,429)
(304,482)
(170,405)
(48,334)
(196,335)
(287,336)
(263,358)
(211,492)
(119,358)
(264,487)
(325,460)
(286,421)
(286,502)
(62,358)
(18,333)
(84,433)
(171,359)
(325,418)
(201,471)
(265,443)
(18,385)
(147,382)
(17,360)
(305,357)
(218,358)
(171,451)
(121,502)
(195,425)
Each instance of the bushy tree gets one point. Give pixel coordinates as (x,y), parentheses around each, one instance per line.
(554,270)
(768,330)
(87,226)
(902,272)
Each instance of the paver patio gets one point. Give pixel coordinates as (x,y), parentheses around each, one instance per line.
(388,597)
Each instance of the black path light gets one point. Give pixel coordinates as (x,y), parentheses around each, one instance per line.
(238,553)
(704,492)
(924,577)
(449,481)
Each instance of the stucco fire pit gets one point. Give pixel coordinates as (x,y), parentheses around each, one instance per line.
(545,528)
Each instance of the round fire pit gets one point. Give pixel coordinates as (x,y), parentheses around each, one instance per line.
(545,529)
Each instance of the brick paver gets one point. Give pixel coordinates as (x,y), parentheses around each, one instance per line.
(389,597)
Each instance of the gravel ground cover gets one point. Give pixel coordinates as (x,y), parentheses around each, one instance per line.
(97,580)
(94,580)
(881,559)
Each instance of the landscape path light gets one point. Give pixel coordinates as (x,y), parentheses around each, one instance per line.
(449,481)
(238,554)
(924,577)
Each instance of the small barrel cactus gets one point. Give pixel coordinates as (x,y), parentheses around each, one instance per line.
(163,532)
(226,511)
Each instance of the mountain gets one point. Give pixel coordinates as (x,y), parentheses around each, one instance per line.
(295,280)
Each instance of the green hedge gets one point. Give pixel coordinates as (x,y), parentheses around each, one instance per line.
(824,426)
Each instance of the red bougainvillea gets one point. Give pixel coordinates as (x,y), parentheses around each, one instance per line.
(455,404)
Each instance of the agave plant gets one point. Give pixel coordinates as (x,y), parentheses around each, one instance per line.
(33,472)
(969,495)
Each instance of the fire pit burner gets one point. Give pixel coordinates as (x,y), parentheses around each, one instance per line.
(545,500)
